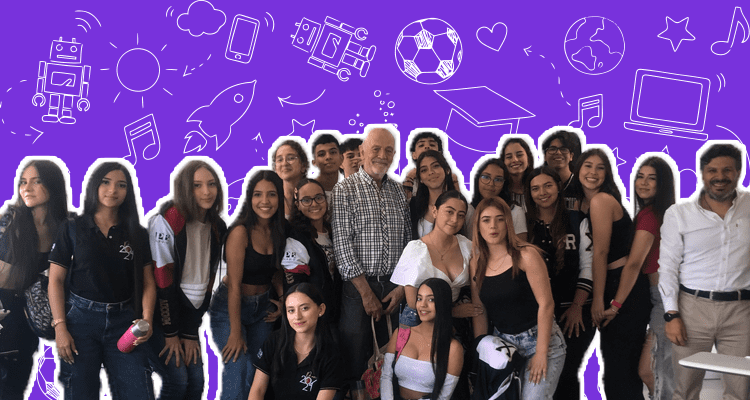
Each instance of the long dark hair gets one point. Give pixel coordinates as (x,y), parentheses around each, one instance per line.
(529,162)
(476,196)
(324,342)
(23,249)
(299,221)
(127,215)
(561,220)
(249,219)
(184,195)
(421,201)
(609,186)
(442,333)
(665,188)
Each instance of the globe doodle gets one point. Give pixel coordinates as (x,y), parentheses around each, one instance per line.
(594,45)
(428,51)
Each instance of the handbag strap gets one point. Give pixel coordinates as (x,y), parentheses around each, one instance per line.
(403,337)
(377,352)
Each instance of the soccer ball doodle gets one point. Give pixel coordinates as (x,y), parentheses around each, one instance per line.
(428,51)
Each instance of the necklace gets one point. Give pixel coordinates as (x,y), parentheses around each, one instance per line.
(442,255)
(500,264)
(296,350)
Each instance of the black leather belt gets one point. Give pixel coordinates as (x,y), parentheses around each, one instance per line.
(379,278)
(742,294)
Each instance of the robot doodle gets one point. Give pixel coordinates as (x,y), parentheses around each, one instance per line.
(63,79)
(332,46)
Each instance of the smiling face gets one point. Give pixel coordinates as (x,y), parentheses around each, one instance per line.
(352,159)
(113,189)
(265,200)
(646,183)
(288,164)
(516,159)
(557,156)
(425,304)
(720,177)
(327,158)
(490,184)
(431,173)
(544,191)
(317,207)
(205,188)
(378,150)
(593,173)
(302,312)
(492,225)
(31,188)
(450,216)
(423,145)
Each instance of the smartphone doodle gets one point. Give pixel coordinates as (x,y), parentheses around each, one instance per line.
(242,39)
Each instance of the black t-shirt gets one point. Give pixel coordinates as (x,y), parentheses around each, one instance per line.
(101,266)
(300,382)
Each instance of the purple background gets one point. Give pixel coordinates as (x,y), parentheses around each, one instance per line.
(543,82)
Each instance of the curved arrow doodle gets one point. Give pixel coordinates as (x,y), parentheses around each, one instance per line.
(282,100)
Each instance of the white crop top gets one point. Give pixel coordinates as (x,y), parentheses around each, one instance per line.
(414,375)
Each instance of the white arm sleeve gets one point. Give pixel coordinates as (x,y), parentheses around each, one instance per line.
(386,378)
(448,387)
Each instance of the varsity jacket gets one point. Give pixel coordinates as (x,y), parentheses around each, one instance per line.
(168,239)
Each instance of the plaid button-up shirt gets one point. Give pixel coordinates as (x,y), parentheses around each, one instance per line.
(371,225)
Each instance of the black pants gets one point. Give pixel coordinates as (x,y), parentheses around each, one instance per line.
(622,340)
(568,386)
(17,346)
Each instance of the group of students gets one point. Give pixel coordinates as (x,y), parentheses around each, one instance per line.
(541,257)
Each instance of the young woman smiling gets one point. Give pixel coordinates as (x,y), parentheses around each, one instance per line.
(489,181)
(291,163)
(516,155)
(434,177)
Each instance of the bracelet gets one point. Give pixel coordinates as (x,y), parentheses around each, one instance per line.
(616,304)
(58,322)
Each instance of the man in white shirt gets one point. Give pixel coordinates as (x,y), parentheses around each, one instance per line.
(704,272)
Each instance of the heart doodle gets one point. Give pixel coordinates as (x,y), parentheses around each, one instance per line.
(491,37)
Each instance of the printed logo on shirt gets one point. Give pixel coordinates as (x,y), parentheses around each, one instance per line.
(127,250)
(591,245)
(290,255)
(260,353)
(308,380)
(163,237)
(570,242)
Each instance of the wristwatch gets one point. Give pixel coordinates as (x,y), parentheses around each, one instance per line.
(670,316)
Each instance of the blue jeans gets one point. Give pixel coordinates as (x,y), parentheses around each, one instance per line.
(525,342)
(237,376)
(183,382)
(95,328)
(661,352)
(409,317)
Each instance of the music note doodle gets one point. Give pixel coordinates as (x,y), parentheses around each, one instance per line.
(739,20)
(595,102)
(143,127)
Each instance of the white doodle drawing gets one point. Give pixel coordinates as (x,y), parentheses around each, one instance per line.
(669,104)
(739,140)
(665,150)
(332,45)
(258,137)
(38,136)
(494,37)
(722,47)
(138,70)
(88,26)
(128,54)
(594,45)
(722,81)
(169,12)
(298,128)
(45,374)
(619,161)
(428,51)
(242,37)
(527,51)
(217,118)
(201,18)
(145,126)
(283,100)
(63,78)
(482,108)
(185,72)
(676,32)
(273,23)
(596,103)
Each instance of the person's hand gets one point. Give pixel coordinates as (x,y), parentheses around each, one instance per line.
(597,312)
(676,333)
(372,306)
(192,349)
(608,315)
(393,299)
(144,339)
(573,320)
(235,345)
(65,344)
(273,315)
(537,368)
(172,348)
(467,310)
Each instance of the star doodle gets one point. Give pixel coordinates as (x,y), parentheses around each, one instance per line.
(676,32)
(619,161)
(297,128)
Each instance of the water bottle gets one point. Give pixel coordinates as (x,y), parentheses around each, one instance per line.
(359,392)
(126,344)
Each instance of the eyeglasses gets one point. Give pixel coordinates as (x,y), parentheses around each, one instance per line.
(290,159)
(486,179)
(307,201)
(553,149)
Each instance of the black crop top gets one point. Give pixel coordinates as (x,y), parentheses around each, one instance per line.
(510,303)
(258,268)
(622,235)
